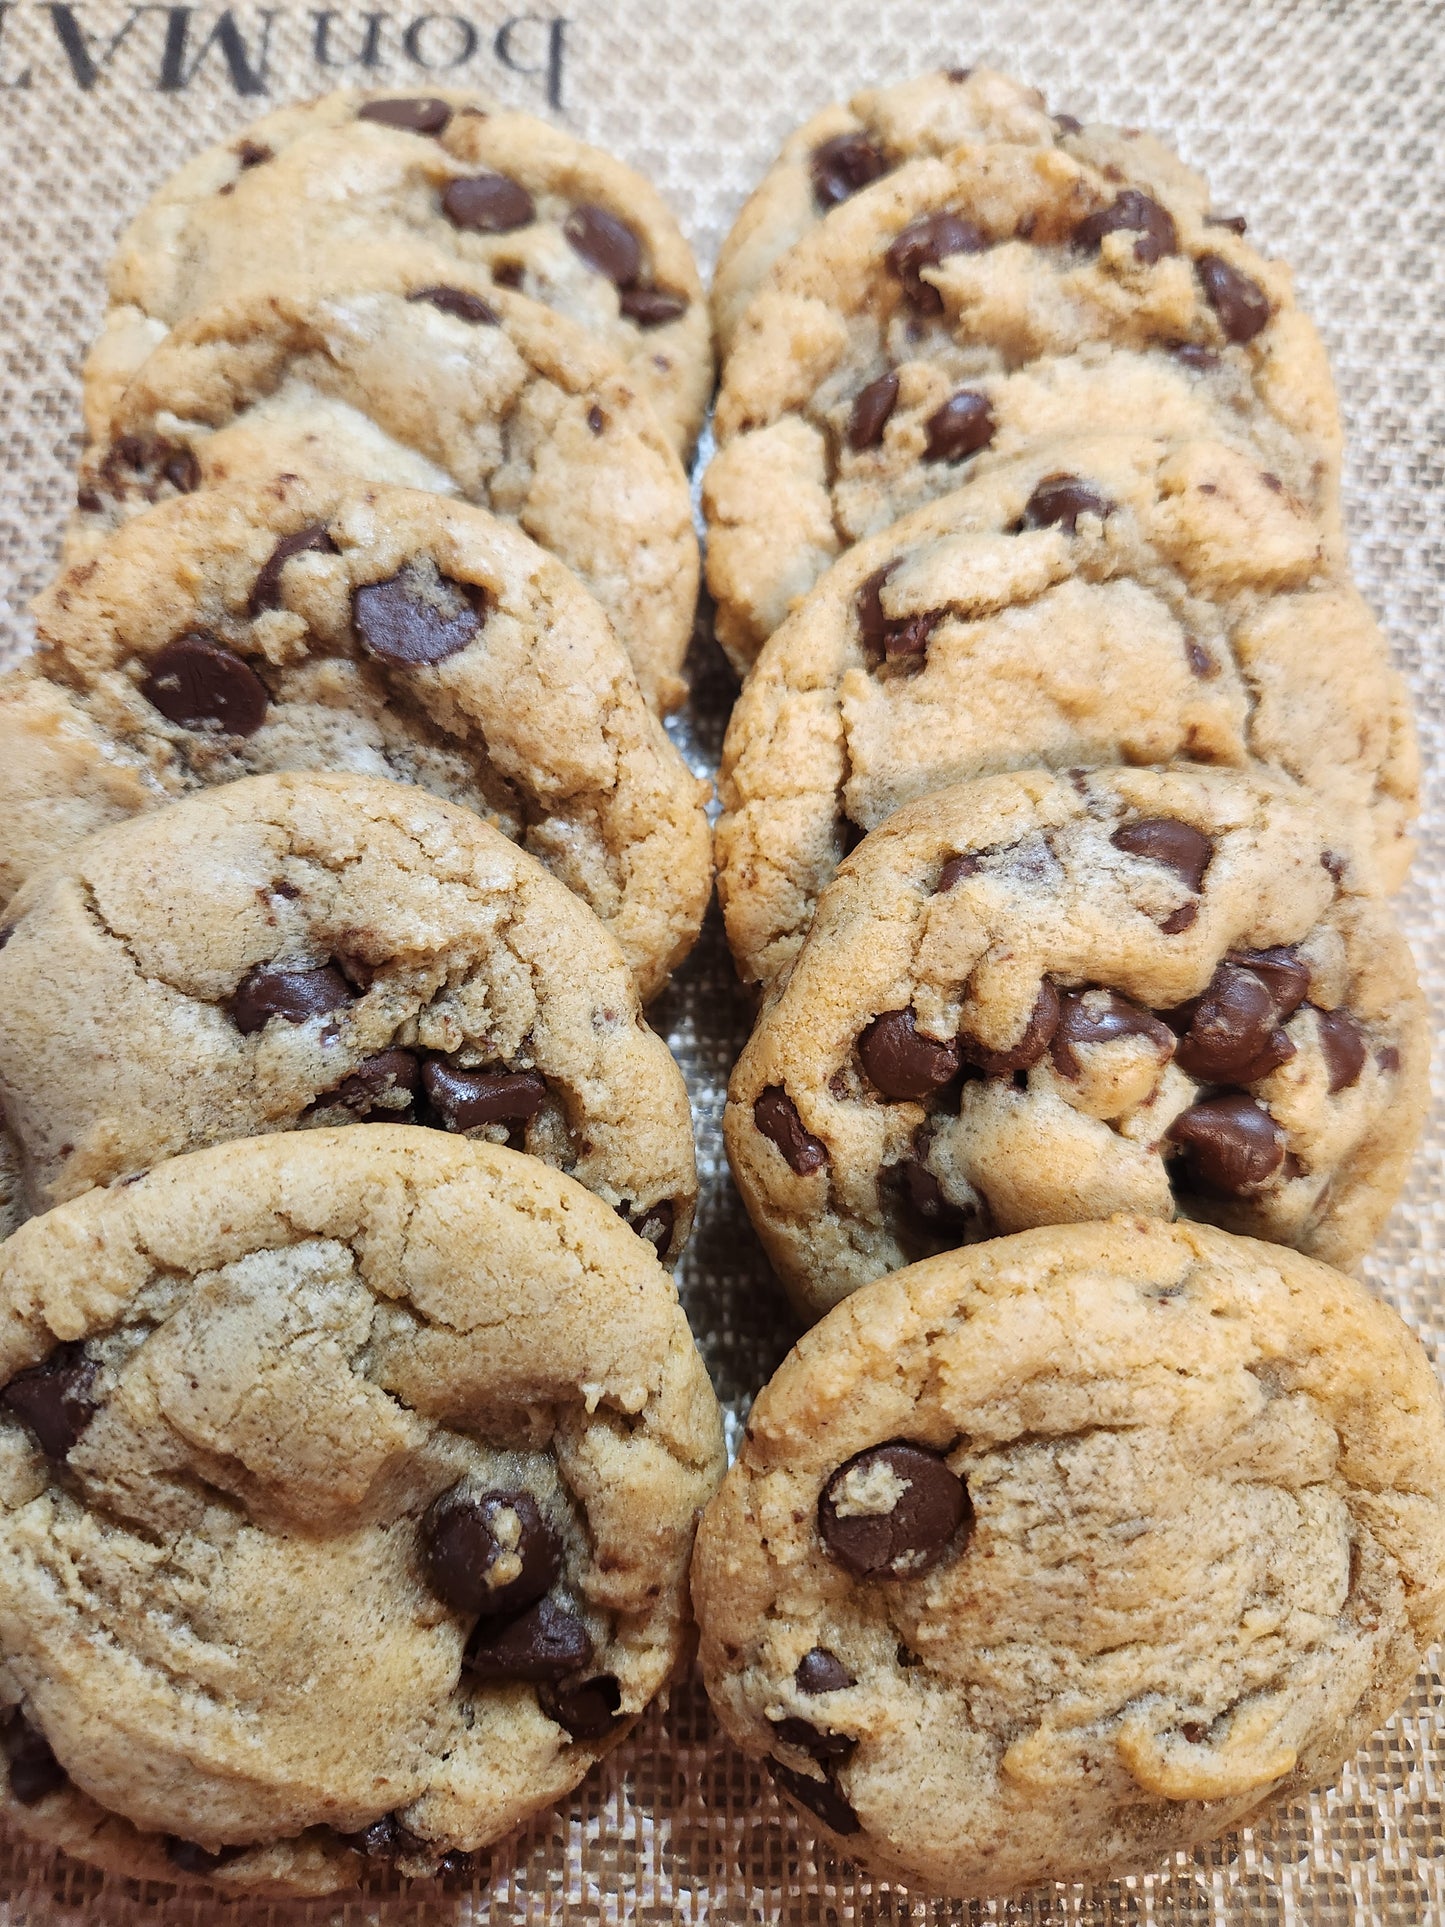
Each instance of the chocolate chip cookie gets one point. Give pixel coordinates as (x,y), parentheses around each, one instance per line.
(348,627)
(1106,599)
(1047,1558)
(880,362)
(1033,999)
(428,377)
(299,950)
(337,183)
(347,1487)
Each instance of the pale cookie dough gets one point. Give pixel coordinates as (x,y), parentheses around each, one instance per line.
(301,950)
(1107,599)
(887,352)
(1046,1559)
(428,377)
(384,632)
(1033,999)
(337,184)
(347,1488)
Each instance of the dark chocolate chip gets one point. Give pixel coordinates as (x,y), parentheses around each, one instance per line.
(293,995)
(458,302)
(1201,663)
(1241,304)
(182,471)
(587,1709)
(55,1399)
(963,426)
(266,590)
(1184,918)
(656,1224)
(826,1748)
(842,165)
(198,683)
(926,242)
(1193,355)
(955,870)
(596,420)
(820,1671)
(1059,501)
(1085,1019)
(424,115)
(605,242)
(1231,1025)
(508,274)
(652,307)
(871,409)
(384,1839)
(253,154)
(490,1552)
(190,1858)
(546,1642)
(488,204)
(1067,124)
(821,1797)
(1236,223)
(1343,1046)
(34,1769)
(901,1062)
(1164,839)
(387,1082)
(917,1528)
(903,637)
(776,1116)
(1134,213)
(1284,970)
(927,1197)
(402,626)
(1022,1056)
(464,1099)
(1231,1145)
(1195,1732)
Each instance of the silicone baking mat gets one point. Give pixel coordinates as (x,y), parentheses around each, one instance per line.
(1321,119)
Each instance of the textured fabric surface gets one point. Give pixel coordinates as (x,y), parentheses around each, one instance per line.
(1317,118)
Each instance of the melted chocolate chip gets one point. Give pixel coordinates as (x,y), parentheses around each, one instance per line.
(605,242)
(955,870)
(34,1769)
(652,307)
(1284,970)
(1231,1025)
(183,471)
(423,115)
(820,1671)
(387,1082)
(295,996)
(488,204)
(892,1512)
(198,683)
(1231,1145)
(1136,213)
(897,639)
(384,1839)
(776,1116)
(458,302)
(54,1399)
(963,426)
(1343,1047)
(821,1797)
(1164,839)
(587,1709)
(826,1748)
(871,409)
(927,1198)
(403,627)
(544,1643)
(1085,1020)
(1022,1056)
(491,1552)
(1241,304)
(902,1063)
(190,1858)
(656,1224)
(842,165)
(1059,501)
(266,590)
(924,243)
(464,1099)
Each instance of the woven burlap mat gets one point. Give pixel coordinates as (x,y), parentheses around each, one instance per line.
(1321,120)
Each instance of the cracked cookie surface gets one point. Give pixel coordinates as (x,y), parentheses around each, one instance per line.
(1044,1559)
(347,1488)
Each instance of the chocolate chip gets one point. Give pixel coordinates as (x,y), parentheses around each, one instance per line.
(1184,918)
(955,870)
(652,307)
(508,274)
(587,1709)
(1201,663)
(1022,1056)
(253,154)
(776,1116)
(1335,865)
(963,426)
(1195,1732)
(892,1512)
(458,302)
(596,420)
(1236,223)
(464,1099)
(1086,1019)
(842,165)
(1231,1145)
(1231,1025)
(198,683)
(826,1748)
(54,1399)
(295,996)
(488,204)
(1131,212)
(546,1642)
(34,1769)
(182,471)
(384,1839)
(656,1224)
(1059,501)
(871,409)
(822,1799)
(491,1552)
(387,1082)
(1240,303)
(958,75)
(901,1062)
(266,590)
(1343,1046)
(820,1671)
(1192,355)
(1388,1060)
(1164,839)
(190,1858)
(907,636)
(1067,124)
(402,626)
(927,1197)
(1283,969)
(604,242)
(926,242)
(418,116)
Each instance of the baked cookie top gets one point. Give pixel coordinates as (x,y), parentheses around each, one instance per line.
(347,1487)
(339,183)
(425,376)
(1033,998)
(1044,1559)
(301,950)
(350,627)
(1101,599)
